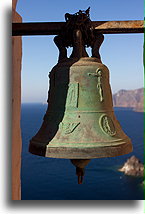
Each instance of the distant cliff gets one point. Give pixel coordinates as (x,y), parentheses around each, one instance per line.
(129,98)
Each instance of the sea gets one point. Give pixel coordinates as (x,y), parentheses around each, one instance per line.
(45,178)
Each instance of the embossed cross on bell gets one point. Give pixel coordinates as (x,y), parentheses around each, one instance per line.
(79,122)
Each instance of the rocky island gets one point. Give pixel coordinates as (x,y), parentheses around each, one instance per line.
(133,167)
(129,99)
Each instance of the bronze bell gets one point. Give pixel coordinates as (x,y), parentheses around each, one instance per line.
(79,122)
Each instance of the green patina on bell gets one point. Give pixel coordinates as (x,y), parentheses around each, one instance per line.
(80,121)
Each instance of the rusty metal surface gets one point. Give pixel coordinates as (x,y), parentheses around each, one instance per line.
(135,26)
(53,28)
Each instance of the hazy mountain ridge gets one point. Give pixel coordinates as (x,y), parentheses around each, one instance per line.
(129,98)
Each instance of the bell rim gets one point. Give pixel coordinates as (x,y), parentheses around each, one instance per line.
(89,153)
(63,152)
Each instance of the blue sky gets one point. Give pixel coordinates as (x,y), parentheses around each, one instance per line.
(121,53)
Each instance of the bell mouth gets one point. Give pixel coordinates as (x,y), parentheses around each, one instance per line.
(89,153)
(85,152)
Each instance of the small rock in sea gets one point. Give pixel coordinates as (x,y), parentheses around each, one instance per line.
(133,167)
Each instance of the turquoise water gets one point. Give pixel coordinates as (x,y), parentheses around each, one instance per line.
(55,179)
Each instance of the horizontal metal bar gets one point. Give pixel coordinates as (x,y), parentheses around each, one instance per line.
(53,28)
(135,26)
